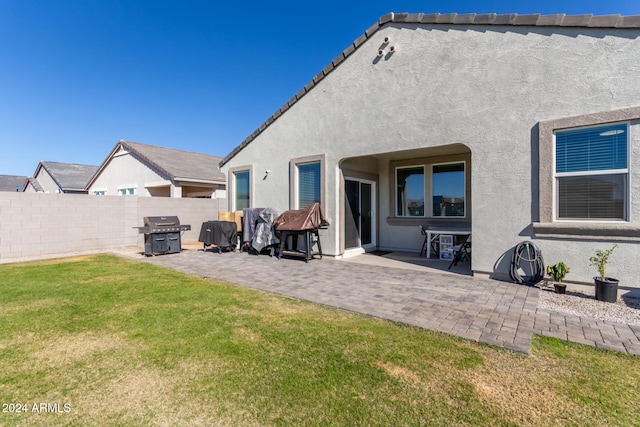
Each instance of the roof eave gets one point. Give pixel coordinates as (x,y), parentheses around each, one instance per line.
(513,19)
(199,181)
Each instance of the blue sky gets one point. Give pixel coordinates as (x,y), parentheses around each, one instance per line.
(76,76)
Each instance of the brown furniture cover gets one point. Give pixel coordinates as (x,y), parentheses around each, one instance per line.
(309,218)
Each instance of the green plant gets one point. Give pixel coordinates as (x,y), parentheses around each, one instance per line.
(558,271)
(600,260)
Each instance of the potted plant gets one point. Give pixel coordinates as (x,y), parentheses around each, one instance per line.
(558,272)
(606,287)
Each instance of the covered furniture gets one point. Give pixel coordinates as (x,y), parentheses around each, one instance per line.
(221,234)
(300,224)
(264,235)
(250,218)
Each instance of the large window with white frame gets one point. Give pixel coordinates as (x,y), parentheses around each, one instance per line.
(435,190)
(592,173)
(242,189)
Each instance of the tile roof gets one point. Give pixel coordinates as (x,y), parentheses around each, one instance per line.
(35,184)
(11,182)
(512,19)
(68,176)
(177,164)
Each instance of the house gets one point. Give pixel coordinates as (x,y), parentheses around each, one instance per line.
(518,127)
(147,170)
(56,177)
(12,182)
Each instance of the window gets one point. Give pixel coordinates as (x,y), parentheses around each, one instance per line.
(308,184)
(591,173)
(410,191)
(448,190)
(242,190)
(126,191)
(99,192)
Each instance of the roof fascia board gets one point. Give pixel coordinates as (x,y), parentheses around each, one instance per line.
(199,181)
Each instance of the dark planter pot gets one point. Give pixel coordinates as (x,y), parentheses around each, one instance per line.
(606,290)
(561,288)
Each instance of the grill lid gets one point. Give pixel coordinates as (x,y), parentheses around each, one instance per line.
(162,224)
(161,221)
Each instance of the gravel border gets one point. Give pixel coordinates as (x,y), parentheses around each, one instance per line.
(625,310)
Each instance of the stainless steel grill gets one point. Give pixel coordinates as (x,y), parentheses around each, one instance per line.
(162,234)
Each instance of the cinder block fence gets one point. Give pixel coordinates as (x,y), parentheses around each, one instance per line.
(38,225)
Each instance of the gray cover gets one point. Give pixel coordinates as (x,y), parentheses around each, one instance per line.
(250,218)
(264,234)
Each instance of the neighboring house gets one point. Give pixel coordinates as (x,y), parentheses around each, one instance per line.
(12,183)
(31,185)
(56,177)
(519,127)
(147,170)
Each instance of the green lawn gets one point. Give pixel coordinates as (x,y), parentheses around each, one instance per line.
(106,341)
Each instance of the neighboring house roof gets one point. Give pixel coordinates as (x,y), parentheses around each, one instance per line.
(513,19)
(34,183)
(176,165)
(68,176)
(11,182)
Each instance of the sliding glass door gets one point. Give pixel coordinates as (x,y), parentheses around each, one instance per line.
(359,214)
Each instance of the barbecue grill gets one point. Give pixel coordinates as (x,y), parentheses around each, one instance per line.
(162,234)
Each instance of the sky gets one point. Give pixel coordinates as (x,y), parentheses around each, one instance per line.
(76,76)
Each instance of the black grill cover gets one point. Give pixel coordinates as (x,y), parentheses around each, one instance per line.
(220,233)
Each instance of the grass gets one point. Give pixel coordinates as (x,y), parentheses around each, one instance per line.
(106,341)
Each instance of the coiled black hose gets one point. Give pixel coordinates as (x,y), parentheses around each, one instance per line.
(527,265)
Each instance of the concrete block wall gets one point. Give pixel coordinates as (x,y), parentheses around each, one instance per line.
(40,225)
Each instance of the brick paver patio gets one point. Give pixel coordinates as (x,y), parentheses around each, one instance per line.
(489,311)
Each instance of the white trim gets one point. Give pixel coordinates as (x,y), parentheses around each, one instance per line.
(234,186)
(199,181)
(351,252)
(126,188)
(231,187)
(374,216)
(157,184)
(597,172)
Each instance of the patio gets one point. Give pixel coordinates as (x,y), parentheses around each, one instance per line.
(412,290)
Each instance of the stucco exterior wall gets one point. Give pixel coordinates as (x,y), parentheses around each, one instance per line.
(125,171)
(37,225)
(46,182)
(486,88)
